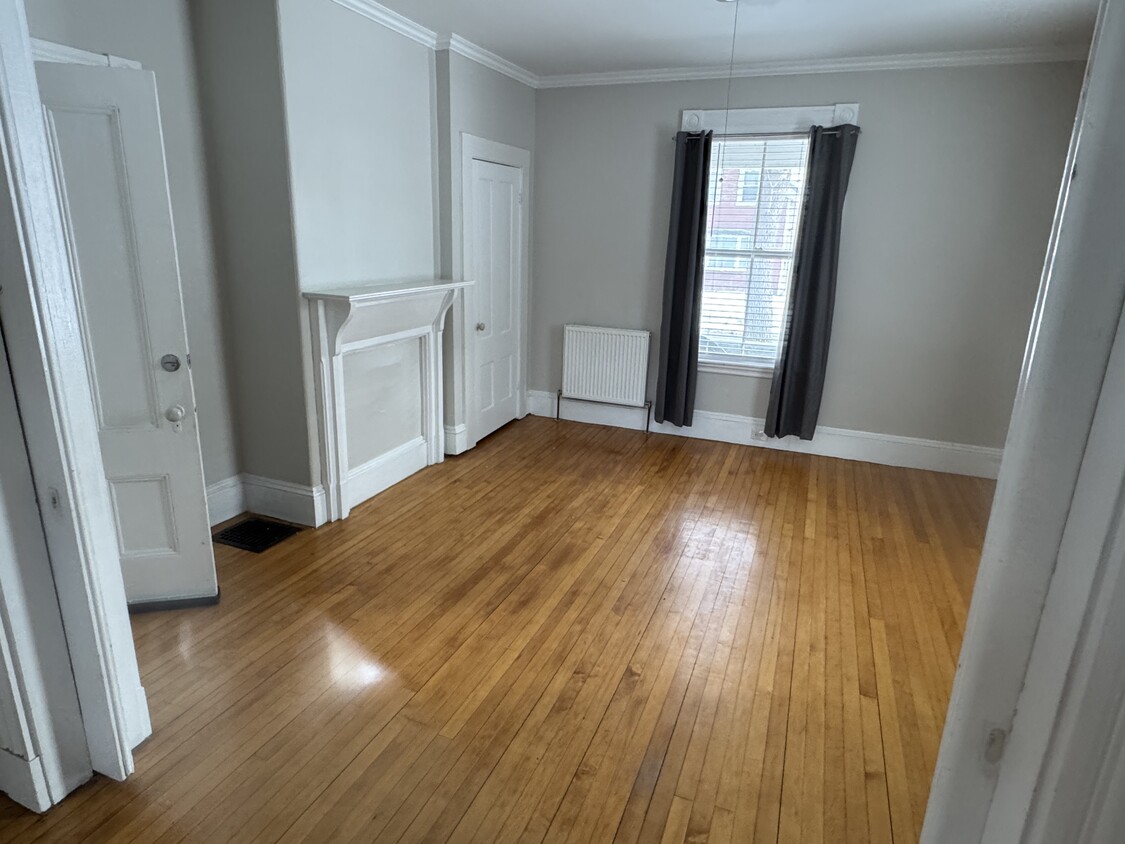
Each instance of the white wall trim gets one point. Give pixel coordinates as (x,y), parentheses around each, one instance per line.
(748,121)
(307,505)
(50,373)
(886,449)
(49,51)
(1042,496)
(899,61)
(302,505)
(905,61)
(225,500)
(386,470)
(742,370)
(25,782)
(487,58)
(346,321)
(392,20)
(1070,707)
(456,439)
(428,38)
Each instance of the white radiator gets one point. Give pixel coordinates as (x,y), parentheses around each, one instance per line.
(605,365)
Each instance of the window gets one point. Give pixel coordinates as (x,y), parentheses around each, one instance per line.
(724,249)
(749,182)
(757,190)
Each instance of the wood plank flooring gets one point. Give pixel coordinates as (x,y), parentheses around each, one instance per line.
(572,633)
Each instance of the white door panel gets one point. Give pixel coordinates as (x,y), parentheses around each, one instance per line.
(105,135)
(496,264)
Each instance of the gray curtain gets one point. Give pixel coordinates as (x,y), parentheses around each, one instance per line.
(683,281)
(798,378)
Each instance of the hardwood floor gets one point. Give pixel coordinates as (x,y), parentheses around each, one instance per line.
(572,633)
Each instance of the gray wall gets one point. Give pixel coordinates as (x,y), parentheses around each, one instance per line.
(945,231)
(358,100)
(157,34)
(361,124)
(240,79)
(474,100)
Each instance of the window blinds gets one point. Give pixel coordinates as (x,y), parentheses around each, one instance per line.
(757,191)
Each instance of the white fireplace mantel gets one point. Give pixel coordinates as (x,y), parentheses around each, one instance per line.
(377,363)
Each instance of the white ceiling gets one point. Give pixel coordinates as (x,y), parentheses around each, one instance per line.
(598,36)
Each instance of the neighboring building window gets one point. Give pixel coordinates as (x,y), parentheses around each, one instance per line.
(754,213)
(749,184)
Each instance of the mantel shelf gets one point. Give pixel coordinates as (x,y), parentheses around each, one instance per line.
(361,312)
(363,293)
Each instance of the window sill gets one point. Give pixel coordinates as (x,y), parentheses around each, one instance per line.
(744,370)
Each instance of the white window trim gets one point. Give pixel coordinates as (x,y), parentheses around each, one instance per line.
(754,121)
(750,369)
(761,121)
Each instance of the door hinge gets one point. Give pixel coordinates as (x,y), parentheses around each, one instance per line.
(520,200)
(187,358)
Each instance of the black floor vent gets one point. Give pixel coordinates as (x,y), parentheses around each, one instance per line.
(255,534)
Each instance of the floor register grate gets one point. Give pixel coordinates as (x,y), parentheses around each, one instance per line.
(255,534)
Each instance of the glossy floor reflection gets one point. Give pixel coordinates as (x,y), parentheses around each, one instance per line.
(570,633)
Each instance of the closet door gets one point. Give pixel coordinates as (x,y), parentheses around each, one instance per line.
(495,263)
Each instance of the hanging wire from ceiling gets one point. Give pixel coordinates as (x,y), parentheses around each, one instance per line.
(726,115)
(730,76)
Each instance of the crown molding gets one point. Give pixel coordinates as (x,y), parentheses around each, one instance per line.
(428,38)
(392,20)
(906,61)
(473,52)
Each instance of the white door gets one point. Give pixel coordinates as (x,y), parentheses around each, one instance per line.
(495,263)
(105,135)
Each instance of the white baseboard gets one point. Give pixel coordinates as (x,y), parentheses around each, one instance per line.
(385,471)
(24,781)
(456,439)
(225,500)
(542,403)
(887,449)
(302,505)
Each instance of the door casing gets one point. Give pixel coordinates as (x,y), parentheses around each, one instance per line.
(994,748)
(47,358)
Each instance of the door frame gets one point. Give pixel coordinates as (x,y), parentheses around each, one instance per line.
(47,358)
(1069,731)
(482,149)
(43,753)
(1002,729)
